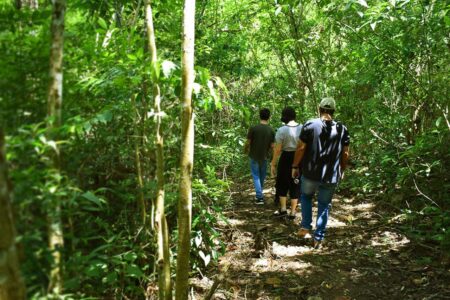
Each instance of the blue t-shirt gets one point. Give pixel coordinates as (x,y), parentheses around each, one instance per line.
(324,141)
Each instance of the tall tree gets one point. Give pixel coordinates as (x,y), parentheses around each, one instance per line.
(187,151)
(54,101)
(11,283)
(163,263)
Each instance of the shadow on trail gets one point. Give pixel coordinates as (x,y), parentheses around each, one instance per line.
(362,257)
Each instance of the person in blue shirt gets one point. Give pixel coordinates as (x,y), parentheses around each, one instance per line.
(323,152)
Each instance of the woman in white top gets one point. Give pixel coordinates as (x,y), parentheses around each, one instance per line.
(286,140)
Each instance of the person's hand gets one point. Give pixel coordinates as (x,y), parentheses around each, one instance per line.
(294,172)
(246,148)
(273,170)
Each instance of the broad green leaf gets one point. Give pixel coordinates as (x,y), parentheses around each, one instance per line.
(134,271)
(130,256)
(447,20)
(52,144)
(198,240)
(278,10)
(102,23)
(93,198)
(110,278)
(363,3)
(132,57)
(206,258)
(104,117)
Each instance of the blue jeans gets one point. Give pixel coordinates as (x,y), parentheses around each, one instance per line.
(258,170)
(326,191)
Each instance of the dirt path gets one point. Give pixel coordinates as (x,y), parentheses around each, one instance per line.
(364,257)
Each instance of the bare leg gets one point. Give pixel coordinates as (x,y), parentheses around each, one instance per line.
(293,206)
(283,203)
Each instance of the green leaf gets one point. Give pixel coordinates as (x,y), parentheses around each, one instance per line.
(93,198)
(104,117)
(102,23)
(198,240)
(278,10)
(132,57)
(130,256)
(438,121)
(363,3)
(206,258)
(447,20)
(134,271)
(110,278)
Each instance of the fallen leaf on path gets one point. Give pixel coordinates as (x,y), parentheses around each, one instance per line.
(275,281)
(297,289)
(396,262)
(232,247)
(420,281)
(328,285)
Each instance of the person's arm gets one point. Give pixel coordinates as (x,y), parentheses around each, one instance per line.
(345,151)
(344,159)
(276,155)
(299,153)
(247,146)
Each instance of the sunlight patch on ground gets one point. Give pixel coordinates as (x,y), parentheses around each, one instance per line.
(269,264)
(267,192)
(393,239)
(335,223)
(364,206)
(232,222)
(286,251)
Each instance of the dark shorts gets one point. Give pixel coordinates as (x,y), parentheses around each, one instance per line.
(285,183)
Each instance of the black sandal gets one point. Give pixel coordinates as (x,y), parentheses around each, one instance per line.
(280,213)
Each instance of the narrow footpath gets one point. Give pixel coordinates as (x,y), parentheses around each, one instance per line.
(365,256)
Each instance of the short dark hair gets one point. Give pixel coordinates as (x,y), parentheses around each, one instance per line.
(326,111)
(288,114)
(264,114)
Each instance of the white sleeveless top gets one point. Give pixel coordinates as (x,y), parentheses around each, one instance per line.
(288,136)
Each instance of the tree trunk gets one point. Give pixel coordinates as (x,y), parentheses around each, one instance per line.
(163,262)
(11,284)
(54,100)
(137,155)
(187,152)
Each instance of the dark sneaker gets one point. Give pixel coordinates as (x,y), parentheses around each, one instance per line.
(291,217)
(259,201)
(279,213)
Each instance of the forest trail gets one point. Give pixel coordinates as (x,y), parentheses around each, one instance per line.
(364,257)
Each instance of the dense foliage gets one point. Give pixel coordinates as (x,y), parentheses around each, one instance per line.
(385,62)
